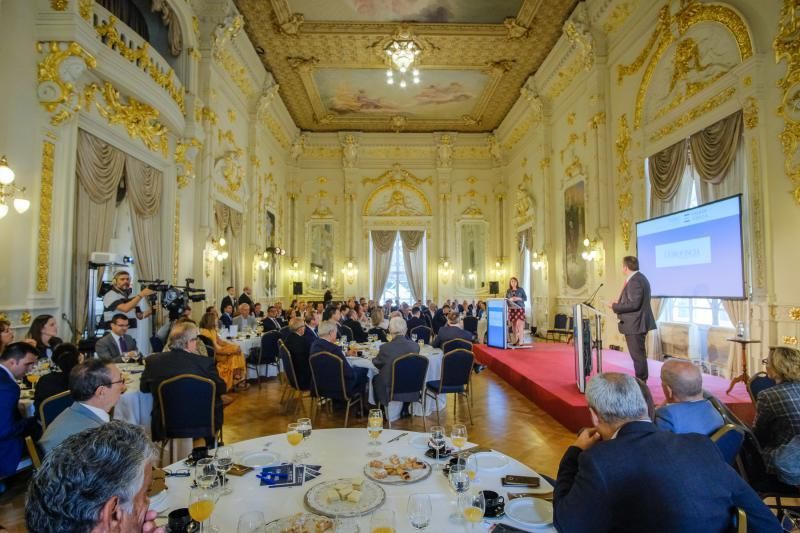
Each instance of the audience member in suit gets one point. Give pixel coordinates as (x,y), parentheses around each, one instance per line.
(415,320)
(351,321)
(376,318)
(635,314)
(258,312)
(452,330)
(181,359)
(244,320)
(65,357)
(229,299)
(281,314)
(332,314)
(440,318)
(16,360)
(226,318)
(778,407)
(270,322)
(311,326)
(299,345)
(355,378)
(96,386)
(389,351)
(625,474)
(246,298)
(44,332)
(427,314)
(686,411)
(115,343)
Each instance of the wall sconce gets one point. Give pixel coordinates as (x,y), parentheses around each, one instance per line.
(9,191)
(261,261)
(499,269)
(274,250)
(592,251)
(294,270)
(217,250)
(350,272)
(445,270)
(538,260)
(471,275)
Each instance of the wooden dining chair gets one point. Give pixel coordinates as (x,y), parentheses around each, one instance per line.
(33,451)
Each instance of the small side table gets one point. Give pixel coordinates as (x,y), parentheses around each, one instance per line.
(744,377)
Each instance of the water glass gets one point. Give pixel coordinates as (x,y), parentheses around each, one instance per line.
(251,522)
(205,473)
(472,468)
(419,511)
(382,521)
(223,460)
(459,481)
(438,443)
(304,427)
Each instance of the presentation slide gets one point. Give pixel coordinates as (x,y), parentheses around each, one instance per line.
(496,327)
(695,253)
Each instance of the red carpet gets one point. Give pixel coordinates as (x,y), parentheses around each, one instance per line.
(545,374)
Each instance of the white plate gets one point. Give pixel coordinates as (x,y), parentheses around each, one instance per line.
(259,459)
(372,497)
(417,474)
(420,442)
(530,512)
(491,460)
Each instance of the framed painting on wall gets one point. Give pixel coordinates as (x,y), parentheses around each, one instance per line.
(575,231)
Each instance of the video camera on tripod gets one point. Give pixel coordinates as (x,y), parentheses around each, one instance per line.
(174,298)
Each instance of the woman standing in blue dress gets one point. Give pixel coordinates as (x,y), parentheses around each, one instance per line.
(516,298)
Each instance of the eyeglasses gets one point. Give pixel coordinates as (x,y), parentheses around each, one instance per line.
(764,361)
(112,383)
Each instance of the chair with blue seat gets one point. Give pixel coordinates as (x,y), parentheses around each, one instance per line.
(423,333)
(459,344)
(471,325)
(327,376)
(187,404)
(760,381)
(52,406)
(345,331)
(455,377)
(728,439)
(156,344)
(266,355)
(291,382)
(408,381)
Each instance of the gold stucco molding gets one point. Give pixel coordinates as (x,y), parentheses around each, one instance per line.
(787,46)
(58,73)
(45,218)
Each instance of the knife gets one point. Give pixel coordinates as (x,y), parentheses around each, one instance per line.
(398,437)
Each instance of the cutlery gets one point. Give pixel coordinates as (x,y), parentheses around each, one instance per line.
(398,437)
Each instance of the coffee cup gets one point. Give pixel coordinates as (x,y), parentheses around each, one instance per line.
(178,521)
(495,503)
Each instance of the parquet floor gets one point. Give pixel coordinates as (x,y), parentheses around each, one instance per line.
(503,419)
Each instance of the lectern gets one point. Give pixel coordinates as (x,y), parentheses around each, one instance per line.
(583,317)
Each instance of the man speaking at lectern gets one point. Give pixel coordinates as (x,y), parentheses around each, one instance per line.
(634,313)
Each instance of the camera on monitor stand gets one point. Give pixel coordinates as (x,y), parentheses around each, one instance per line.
(175,298)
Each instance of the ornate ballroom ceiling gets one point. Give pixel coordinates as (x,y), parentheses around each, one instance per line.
(328,57)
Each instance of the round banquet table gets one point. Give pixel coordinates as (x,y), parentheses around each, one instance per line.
(342,454)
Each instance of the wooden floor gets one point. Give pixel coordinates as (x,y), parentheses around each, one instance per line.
(504,420)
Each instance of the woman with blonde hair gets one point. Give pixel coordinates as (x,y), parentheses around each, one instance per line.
(230,361)
(778,407)
(377,320)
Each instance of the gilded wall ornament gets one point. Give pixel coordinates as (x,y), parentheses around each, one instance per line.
(515,29)
(85,8)
(225,31)
(25,318)
(697,111)
(58,73)
(577,31)
(185,152)
(790,340)
(786,47)
(45,218)
(349,151)
(236,71)
(622,147)
(794,313)
(619,15)
(750,112)
(59,5)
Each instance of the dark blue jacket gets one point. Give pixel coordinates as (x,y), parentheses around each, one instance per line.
(13,428)
(647,479)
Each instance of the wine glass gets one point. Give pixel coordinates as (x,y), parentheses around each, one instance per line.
(473,506)
(250,522)
(295,437)
(459,481)
(419,511)
(791,521)
(472,467)
(223,460)
(205,473)
(304,427)
(201,505)
(459,435)
(438,443)
(382,521)
(374,428)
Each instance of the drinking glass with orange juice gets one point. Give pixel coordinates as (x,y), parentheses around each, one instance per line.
(295,437)
(473,506)
(459,435)
(382,522)
(201,505)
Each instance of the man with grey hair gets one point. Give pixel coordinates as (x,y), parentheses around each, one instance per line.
(355,378)
(181,359)
(244,320)
(389,351)
(299,346)
(96,386)
(625,474)
(95,481)
(686,411)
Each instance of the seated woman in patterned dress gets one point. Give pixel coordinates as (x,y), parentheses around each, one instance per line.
(230,361)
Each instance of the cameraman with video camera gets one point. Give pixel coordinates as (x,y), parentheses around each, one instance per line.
(119,300)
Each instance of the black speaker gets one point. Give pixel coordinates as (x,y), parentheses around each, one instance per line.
(297,288)
(494,287)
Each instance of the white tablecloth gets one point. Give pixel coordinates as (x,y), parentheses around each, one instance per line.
(342,454)
(248,344)
(134,406)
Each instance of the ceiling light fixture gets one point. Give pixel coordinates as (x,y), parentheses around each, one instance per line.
(402,54)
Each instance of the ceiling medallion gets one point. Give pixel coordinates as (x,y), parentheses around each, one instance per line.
(402,55)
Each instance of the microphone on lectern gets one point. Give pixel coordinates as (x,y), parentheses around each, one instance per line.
(589,302)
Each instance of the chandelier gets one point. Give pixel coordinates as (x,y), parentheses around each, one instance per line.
(402,54)
(9,191)
(217,250)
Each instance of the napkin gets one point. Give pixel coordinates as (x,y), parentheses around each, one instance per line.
(158,483)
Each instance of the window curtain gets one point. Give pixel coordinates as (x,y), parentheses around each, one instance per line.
(719,156)
(173,25)
(414,261)
(654,347)
(99,171)
(229,225)
(382,244)
(144,185)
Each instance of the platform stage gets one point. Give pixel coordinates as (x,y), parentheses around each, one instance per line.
(545,374)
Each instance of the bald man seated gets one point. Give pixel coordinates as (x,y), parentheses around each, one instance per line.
(685,411)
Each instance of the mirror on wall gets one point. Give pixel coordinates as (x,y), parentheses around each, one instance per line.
(472,238)
(320,268)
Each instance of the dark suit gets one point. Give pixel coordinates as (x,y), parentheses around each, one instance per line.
(226,320)
(72,420)
(310,334)
(380,332)
(354,378)
(228,300)
(162,366)
(651,480)
(49,385)
(438,321)
(300,348)
(636,319)
(245,299)
(359,335)
(449,333)
(271,324)
(46,350)
(414,322)
(108,348)
(388,352)
(13,428)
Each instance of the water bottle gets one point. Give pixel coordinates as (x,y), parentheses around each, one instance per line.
(740,330)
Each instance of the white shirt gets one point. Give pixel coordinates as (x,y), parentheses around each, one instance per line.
(4,367)
(614,436)
(631,275)
(116,340)
(102,415)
